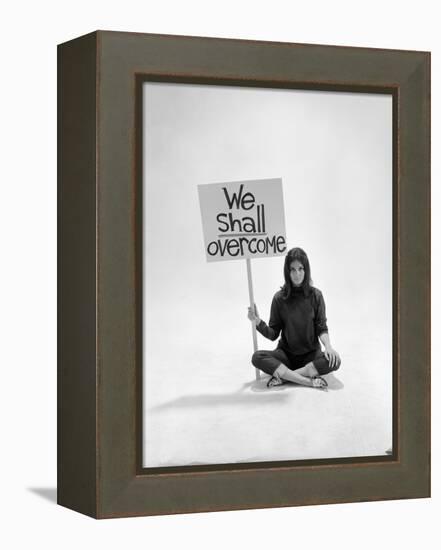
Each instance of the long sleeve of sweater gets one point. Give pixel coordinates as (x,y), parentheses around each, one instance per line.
(275,325)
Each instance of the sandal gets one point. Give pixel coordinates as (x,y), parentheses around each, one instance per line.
(275,381)
(319,382)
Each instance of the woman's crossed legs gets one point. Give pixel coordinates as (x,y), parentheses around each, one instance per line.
(304,369)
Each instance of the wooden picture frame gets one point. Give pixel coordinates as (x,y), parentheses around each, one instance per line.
(100,277)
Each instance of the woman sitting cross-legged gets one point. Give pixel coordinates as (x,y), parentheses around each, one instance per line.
(298,313)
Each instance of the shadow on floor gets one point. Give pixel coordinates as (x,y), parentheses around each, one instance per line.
(244,397)
(209,400)
(48,493)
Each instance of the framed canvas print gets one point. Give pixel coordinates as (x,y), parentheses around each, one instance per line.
(244,259)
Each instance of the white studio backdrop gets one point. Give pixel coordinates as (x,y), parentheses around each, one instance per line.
(333,151)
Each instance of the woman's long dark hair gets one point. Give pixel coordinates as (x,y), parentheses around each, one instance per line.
(299,255)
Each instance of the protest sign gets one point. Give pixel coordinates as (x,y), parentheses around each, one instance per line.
(243,219)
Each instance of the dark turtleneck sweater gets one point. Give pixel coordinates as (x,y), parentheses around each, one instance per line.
(301,319)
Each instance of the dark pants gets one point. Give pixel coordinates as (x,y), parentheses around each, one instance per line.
(268,361)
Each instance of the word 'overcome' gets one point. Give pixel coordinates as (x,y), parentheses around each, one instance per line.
(246,234)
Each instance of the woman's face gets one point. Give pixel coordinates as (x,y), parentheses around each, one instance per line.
(296,273)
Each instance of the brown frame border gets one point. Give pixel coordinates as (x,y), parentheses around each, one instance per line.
(100,274)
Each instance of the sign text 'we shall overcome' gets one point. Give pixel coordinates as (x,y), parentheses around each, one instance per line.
(243,219)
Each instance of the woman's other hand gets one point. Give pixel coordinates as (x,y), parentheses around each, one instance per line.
(333,357)
(253,314)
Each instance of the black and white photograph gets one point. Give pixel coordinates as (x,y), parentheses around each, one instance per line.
(220,255)
(267,271)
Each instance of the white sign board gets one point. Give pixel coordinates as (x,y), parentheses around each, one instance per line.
(243,219)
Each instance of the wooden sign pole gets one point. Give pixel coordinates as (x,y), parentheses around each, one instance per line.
(251,295)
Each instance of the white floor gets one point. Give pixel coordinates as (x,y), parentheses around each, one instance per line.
(212,410)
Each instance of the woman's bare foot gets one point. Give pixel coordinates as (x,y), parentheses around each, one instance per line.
(319,382)
(275,381)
